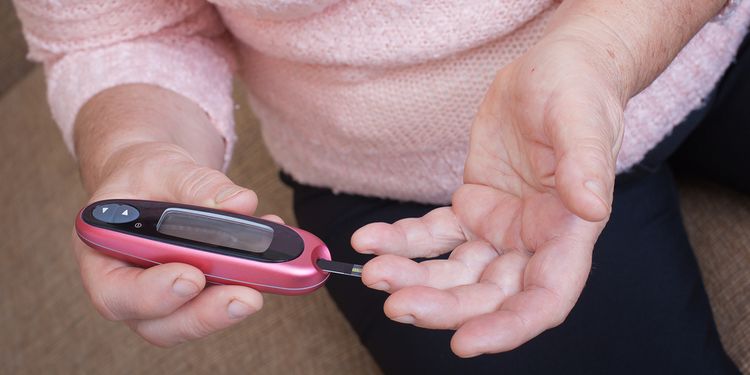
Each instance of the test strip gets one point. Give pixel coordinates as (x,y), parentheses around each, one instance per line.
(340,268)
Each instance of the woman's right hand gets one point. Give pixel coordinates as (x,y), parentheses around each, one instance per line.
(169,303)
(141,141)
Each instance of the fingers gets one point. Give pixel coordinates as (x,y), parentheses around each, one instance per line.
(553,280)
(274,218)
(519,319)
(218,307)
(433,234)
(517,296)
(120,292)
(465,265)
(166,303)
(586,144)
(430,307)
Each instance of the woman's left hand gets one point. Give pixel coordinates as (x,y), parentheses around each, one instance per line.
(537,193)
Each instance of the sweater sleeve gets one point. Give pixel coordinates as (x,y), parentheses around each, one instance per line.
(684,86)
(89,46)
(727,11)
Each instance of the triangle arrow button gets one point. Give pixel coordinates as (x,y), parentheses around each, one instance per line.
(125,214)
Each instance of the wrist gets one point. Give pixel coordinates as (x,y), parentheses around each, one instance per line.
(604,51)
(640,38)
(146,118)
(134,166)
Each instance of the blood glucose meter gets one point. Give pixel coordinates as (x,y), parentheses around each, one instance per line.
(229,248)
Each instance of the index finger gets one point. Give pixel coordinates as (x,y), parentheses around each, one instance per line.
(435,233)
(120,291)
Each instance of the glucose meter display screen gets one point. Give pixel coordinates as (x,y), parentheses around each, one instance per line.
(215,229)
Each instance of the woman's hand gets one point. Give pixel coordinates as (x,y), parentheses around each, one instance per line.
(537,193)
(169,303)
(144,142)
(538,180)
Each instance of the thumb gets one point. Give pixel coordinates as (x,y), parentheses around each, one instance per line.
(165,172)
(586,146)
(202,186)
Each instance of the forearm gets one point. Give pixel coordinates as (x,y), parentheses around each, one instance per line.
(636,39)
(121,119)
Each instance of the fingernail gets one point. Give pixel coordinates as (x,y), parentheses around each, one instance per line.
(380,285)
(406,319)
(238,309)
(596,188)
(226,193)
(184,288)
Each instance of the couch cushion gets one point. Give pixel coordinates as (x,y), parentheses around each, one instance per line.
(718,223)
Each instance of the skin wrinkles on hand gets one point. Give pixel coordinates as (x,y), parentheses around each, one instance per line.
(538,178)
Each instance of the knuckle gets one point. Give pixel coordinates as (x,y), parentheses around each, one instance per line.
(593,148)
(196,328)
(104,306)
(558,314)
(596,152)
(557,307)
(557,319)
(200,181)
(150,306)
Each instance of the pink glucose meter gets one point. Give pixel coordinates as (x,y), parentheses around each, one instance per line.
(229,248)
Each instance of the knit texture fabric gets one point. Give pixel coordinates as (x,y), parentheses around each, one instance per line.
(361,96)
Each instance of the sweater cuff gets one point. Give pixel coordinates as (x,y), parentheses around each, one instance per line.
(727,11)
(193,67)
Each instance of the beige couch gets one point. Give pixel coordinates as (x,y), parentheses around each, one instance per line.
(47,325)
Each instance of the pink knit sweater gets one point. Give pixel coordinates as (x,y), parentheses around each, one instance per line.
(362,96)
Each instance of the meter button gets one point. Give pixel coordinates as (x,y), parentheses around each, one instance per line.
(105,212)
(124,214)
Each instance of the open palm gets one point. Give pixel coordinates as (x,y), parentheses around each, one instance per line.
(537,192)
